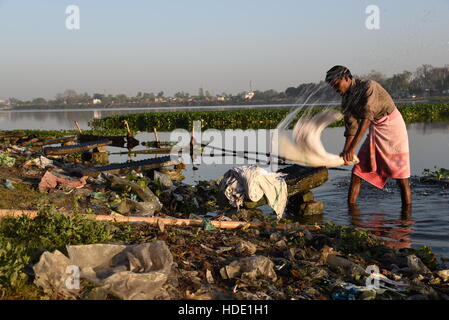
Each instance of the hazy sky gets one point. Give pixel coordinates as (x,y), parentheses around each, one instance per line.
(174,45)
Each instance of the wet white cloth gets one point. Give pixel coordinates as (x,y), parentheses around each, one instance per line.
(252,182)
(303,145)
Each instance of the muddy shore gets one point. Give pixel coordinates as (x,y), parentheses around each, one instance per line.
(284,260)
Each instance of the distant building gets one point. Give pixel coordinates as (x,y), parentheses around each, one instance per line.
(97,97)
(221,98)
(5,104)
(249,95)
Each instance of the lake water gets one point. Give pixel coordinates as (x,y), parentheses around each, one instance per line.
(379,210)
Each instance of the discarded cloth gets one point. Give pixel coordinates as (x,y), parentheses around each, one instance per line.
(385,152)
(135,272)
(51,180)
(252,182)
(304,145)
(40,162)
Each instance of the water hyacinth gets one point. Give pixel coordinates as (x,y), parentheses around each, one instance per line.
(247,118)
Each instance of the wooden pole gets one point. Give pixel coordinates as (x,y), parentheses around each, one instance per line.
(127,127)
(78,127)
(156,137)
(155,221)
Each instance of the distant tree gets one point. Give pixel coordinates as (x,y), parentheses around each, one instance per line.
(160,94)
(121,98)
(39,101)
(68,96)
(201,93)
(181,95)
(15,101)
(148,97)
(292,92)
(375,75)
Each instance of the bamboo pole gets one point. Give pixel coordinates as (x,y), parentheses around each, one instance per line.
(155,221)
(127,127)
(78,127)
(156,137)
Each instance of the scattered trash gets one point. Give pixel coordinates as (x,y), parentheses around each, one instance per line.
(209,277)
(416,265)
(135,272)
(41,162)
(6,161)
(143,193)
(208,226)
(9,185)
(163,179)
(246,247)
(250,268)
(98,195)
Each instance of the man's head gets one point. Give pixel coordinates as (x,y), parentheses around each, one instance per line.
(339,78)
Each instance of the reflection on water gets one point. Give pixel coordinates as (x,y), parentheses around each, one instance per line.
(395,232)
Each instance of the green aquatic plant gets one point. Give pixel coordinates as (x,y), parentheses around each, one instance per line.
(437,173)
(427,256)
(351,239)
(246,118)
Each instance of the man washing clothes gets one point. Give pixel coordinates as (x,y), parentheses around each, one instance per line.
(385,152)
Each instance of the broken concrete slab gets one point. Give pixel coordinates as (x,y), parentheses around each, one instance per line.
(52,180)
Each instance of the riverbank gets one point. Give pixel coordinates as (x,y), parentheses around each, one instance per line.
(275,260)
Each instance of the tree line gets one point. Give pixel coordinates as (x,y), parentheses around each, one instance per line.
(425,81)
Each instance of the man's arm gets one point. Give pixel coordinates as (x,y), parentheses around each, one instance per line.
(353,141)
(351,127)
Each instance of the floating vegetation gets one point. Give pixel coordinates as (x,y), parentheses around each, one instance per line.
(437,173)
(247,118)
(49,134)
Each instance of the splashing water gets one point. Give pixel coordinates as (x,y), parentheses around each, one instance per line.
(303,145)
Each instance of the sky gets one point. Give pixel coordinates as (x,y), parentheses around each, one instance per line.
(182,45)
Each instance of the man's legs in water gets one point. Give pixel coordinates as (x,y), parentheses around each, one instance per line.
(406,193)
(354,189)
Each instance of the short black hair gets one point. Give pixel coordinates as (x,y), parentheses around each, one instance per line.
(336,73)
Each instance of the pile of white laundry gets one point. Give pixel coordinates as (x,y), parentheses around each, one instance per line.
(252,183)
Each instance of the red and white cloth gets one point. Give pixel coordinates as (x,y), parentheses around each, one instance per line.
(385,152)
